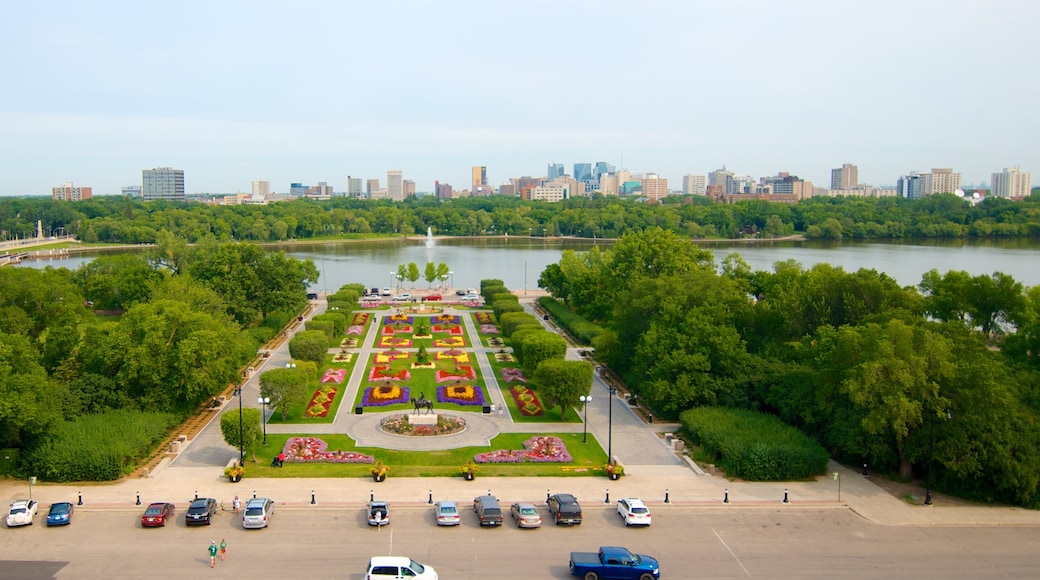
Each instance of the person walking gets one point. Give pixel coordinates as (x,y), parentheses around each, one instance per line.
(235,504)
(213,554)
(223,549)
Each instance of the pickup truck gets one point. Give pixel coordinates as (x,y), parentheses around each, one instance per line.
(614,562)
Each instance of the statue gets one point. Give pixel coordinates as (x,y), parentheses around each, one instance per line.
(422,403)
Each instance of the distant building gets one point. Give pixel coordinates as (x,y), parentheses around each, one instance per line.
(162,183)
(608,183)
(845,177)
(395,184)
(507,189)
(860,190)
(132,191)
(655,187)
(69,192)
(322,191)
(298,189)
(353,186)
(1012,183)
(694,184)
(479,177)
(442,190)
(550,193)
(582,171)
(944,180)
(555,170)
(371,187)
(409,187)
(914,186)
(602,168)
(261,189)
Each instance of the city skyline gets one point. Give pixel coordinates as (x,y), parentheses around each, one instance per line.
(228,94)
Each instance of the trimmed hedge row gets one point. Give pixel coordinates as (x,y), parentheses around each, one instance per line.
(98,447)
(575,325)
(754,446)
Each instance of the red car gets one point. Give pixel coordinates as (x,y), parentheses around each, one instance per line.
(156,515)
(433,297)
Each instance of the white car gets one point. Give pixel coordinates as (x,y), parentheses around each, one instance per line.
(471,297)
(405,297)
(633,511)
(22,513)
(394,567)
(257,513)
(447,513)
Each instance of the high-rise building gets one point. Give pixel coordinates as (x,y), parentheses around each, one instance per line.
(1011,183)
(395,184)
(845,177)
(601,168)
(353,186)
(694,184)
(442,190)
(913,186)
(69,192)
(555,170)
(719,177)
(655,187)
(479,180)
(131,191)
(321,191)
(164,183)
(408,186)
(582,171)
(298,189)
(371,186)
(944,180)
(261,188)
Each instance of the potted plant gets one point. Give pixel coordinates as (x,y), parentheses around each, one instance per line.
(379,471)
(614,470)
(469,471)
(234,473)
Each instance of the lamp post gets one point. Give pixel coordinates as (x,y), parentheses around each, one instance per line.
(241,434)
(525,276)
(392,276)
(452,274)
(585,400)
(264,402)
(610,423)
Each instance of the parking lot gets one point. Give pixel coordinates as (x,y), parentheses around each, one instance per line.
(691,542)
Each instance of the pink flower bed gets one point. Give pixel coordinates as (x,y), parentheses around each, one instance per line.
(461,373)
(537,449)
(314,450)
(511,375)
(488,329)
(334,376)
(356,329)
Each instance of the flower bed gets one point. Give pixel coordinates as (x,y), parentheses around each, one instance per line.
(461,395)
(513,375)
(461,373)
(394,342)
(360,319)
(395,328)
(504,357)
(314,450)
(382,373)
(334,376)
(356,329)
(488,329)
(483,317)
(459,356)
(389,355)
(401,318)
(496,342)
(321,402)
(343,357)
(537,449)
(527,401)
(385,395)
(450,342)
(446,319)
(454,330)
(446,425)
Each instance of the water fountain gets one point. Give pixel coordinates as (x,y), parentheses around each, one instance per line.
(429,237)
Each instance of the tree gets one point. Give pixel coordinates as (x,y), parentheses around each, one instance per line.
(285,387)
(310,345)
(247,434)
(413,273)
(430,273)
(28,398)
(562,382)
(537,346)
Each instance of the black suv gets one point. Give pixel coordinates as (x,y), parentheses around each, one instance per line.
(489,513)
(200,511)
(564,509)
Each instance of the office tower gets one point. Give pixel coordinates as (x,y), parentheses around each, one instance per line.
(69,192)
(353,186)
(845,177)
(944,180)
(261,188)
(442,190)
(479,177)
(654,186)
(163,183)
(582,171)
(395,184)
(601,168)
(321,191)
(371,186)
(694,184)
(719,176)
(132,191)
(555,170)
(913,186)
(298,189)
(408,186)
(1011,183)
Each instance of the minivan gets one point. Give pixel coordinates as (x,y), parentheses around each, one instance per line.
(257,513)
(489,513)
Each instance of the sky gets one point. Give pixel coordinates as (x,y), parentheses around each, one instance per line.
(236,91)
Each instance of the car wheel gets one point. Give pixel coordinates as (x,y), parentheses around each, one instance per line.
(591,576)
(646,576)
(627,523)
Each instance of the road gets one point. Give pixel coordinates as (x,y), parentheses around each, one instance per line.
(691,542)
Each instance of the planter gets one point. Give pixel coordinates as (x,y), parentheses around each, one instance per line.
(614,476)
(469,476)
(234,478)
(378,477)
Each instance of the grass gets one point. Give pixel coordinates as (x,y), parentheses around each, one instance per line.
(588,459)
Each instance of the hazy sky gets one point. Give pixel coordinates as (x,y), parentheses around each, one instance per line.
(94,92)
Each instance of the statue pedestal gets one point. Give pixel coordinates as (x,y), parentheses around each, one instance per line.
(423,419)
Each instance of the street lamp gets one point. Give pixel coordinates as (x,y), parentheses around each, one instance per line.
(452,274)
(585,400)
(610,423)
(264,401)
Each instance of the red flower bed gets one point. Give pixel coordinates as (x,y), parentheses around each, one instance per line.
(526,401)
(483,317)
(314,450)
(360,318)
(382,373)
(321,402)
(460,373)
(453,330)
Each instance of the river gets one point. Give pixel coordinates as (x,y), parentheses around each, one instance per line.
(518,261)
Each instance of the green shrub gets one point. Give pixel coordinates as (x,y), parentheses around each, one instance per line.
(752,445)
(309,345)
(489,292)
(98,447)
(338,320)
(510,321)
(490,282)
(326,326)
(581,329)
(505,306)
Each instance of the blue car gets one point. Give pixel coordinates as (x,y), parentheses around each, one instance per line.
(60,514)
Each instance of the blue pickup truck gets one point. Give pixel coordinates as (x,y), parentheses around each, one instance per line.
(614,562)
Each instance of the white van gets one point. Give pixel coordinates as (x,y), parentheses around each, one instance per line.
(387,567)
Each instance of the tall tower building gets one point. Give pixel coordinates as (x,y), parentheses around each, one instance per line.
(371,187)
(479,177)
(944,180)
(654,186)
(601,168)
(1011,183)
(845,177)
(913,186)
(555,170)
(395,184)
(162,183)
(261,188)
(353,186)
(694,184)
(582,171)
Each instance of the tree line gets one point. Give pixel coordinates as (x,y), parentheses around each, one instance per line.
(132,221)
(941,378)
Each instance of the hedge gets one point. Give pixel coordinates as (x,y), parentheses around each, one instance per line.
(577,326)
(753,446)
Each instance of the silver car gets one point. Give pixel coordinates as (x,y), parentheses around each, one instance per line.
(257,513)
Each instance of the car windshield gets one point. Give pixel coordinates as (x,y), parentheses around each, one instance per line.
(154,510)
(59,509)
(197,506)
(417,567)
(448,510)
(254,511)
(528,511)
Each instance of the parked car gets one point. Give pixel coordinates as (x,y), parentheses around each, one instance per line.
(447,513)
(614,562)
(378,513)
(312,296)
(60,514)
(461,292)
(386,292)
(433,297)
(371,298)
(471,297)
(156,514)
(257,513)
(22,513)
(387,567)
(402,297)
(564,509)
(525,515)
(200,512)
(489,513)
(633,511)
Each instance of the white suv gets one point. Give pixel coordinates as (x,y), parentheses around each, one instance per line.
(386,567)
(633,511)
(257,513)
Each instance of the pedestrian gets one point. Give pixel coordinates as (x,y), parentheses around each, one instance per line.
(213,554)
(235,504)
(223,549)
(379,520)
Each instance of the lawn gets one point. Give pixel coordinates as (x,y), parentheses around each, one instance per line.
(588,459)
(295,413)
(422,381)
